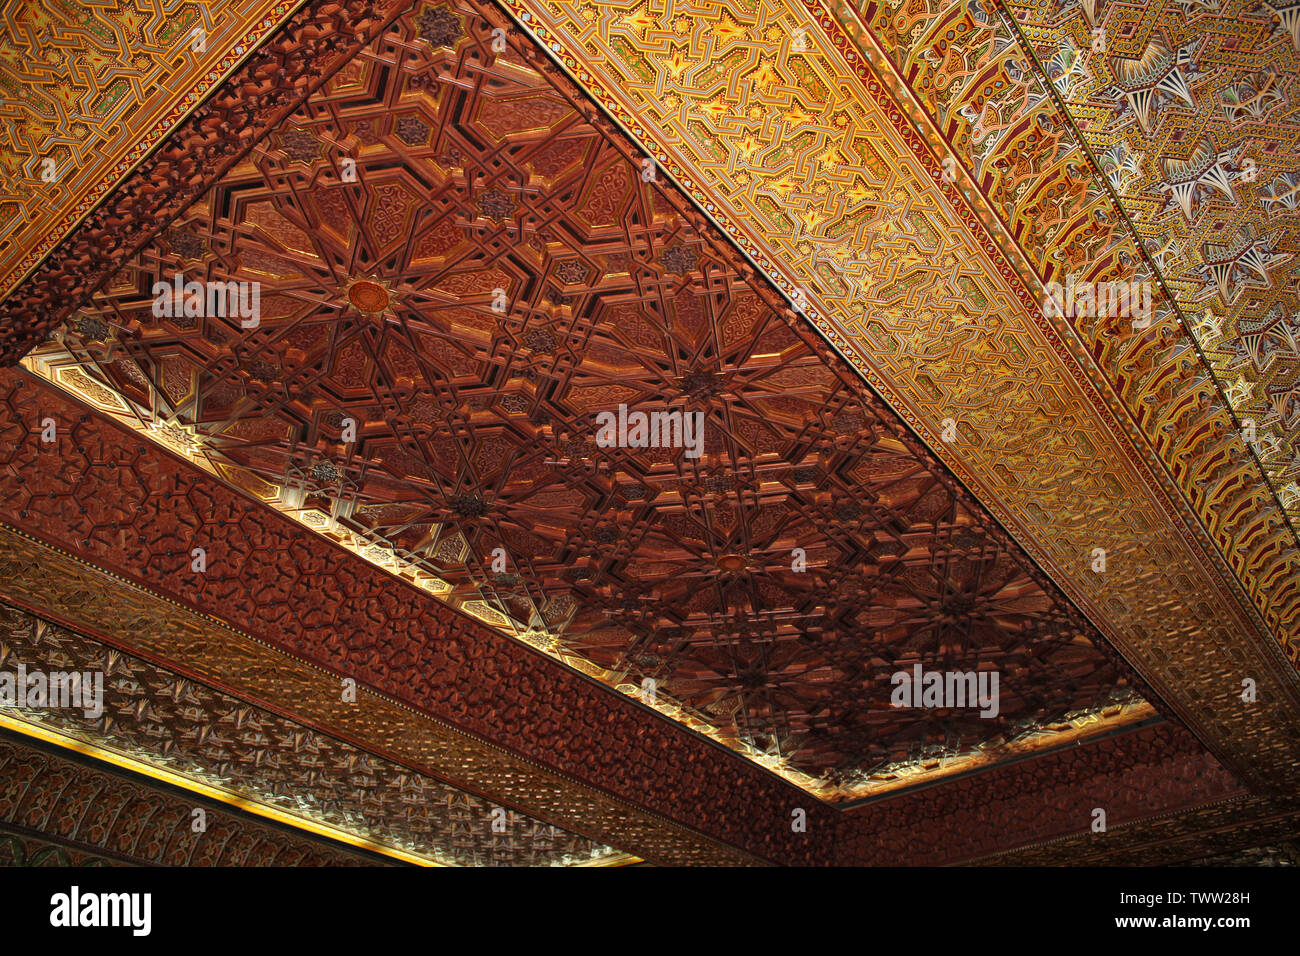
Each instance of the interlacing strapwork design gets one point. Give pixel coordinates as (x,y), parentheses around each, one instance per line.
(805,142)
(1193,111)
(88,87)
(1186,112)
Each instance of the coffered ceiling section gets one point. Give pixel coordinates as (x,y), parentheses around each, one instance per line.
(461,274)
(88,88)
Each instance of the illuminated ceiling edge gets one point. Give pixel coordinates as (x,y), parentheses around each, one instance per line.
(839,825)
(1079,728)
(182,782)
(36,591)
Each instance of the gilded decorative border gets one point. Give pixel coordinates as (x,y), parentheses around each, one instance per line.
(93,809)
(44,579)
(156,723)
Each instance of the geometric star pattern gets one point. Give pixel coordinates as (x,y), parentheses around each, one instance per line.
(459,269)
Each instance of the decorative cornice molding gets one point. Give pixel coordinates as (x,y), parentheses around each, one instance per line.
(154,722)
(1167,839)
(86,808)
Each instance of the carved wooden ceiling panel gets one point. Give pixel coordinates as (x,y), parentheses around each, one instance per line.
(460,261)
(834,156)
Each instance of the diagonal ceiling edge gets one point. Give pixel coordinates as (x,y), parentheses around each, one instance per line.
(297,57)
(1007,114)
(1212,204)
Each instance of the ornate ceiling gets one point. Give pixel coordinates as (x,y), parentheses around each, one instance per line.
(827,232)
(1076,435)
(1103,145)
(166,724)
(92,88)
(1189,109)
(475,428)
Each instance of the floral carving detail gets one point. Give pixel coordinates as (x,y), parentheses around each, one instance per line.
(186,245)
(701,382)
(846,423)
(300,145)
(495,204)
(679,259)
(262,371)
(468,506)
(539,340)
(324,472)
(719,484)
(439,26)
(572,272)
(92,328)
(412,131)
(848,511)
